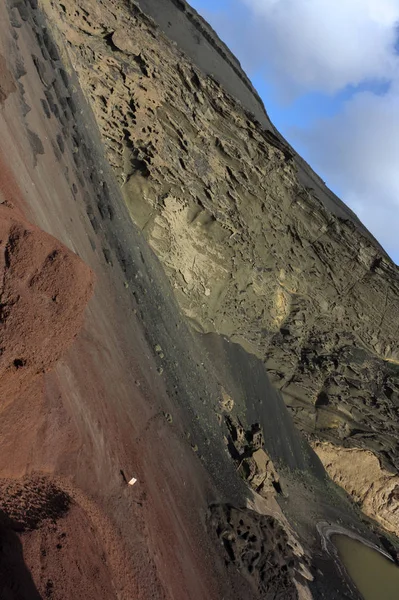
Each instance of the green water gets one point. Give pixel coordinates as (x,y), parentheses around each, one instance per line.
(376,577)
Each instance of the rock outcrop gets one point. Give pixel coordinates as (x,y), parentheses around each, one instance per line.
(259,548)
(359,472)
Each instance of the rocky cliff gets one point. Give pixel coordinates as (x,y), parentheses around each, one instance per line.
(255,248)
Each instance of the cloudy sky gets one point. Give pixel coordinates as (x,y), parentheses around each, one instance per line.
(328,72)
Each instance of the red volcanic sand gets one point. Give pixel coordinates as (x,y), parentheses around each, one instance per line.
(55,537)
(44,289)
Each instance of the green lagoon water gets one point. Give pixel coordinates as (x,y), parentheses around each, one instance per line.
(376,577)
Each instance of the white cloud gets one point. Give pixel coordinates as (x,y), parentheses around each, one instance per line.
(326,45)
(323,45)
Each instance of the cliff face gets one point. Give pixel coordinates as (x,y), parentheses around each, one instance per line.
(361,475)
(251,246)
(229,499)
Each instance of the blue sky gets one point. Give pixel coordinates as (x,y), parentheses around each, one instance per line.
(328,73)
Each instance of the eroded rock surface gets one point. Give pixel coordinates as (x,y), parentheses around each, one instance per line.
(258,547)
(360,474)
(246,448)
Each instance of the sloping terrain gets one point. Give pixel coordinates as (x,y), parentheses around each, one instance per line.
(228,495)
(253,249)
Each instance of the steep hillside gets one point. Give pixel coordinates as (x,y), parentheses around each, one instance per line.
(254,250)
(161,260)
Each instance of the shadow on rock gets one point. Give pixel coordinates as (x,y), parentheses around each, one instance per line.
(16,581)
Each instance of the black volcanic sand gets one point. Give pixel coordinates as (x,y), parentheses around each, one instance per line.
(307,495)
(245,378)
